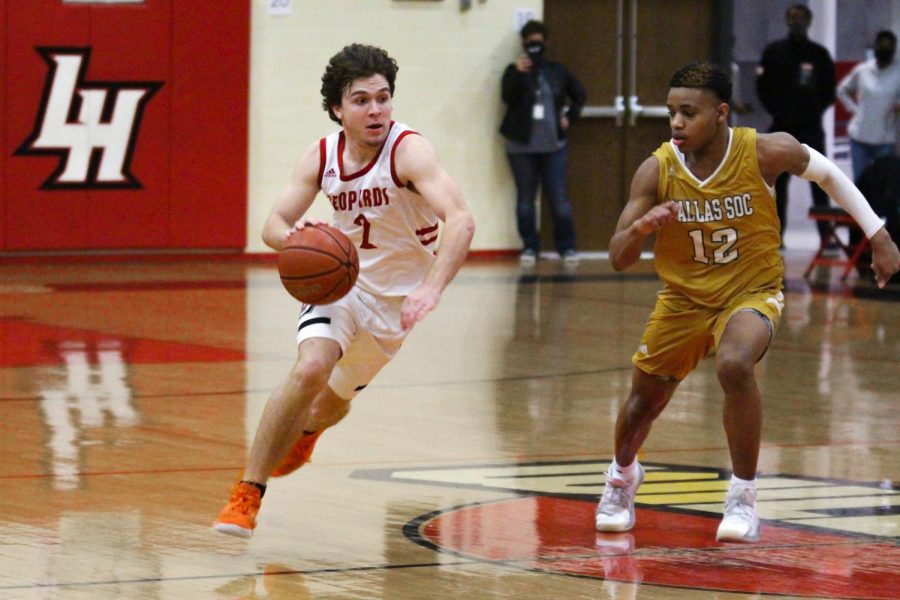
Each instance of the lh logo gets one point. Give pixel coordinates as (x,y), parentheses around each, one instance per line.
(91,125)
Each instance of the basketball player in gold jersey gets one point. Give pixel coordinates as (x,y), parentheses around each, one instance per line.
(708,195)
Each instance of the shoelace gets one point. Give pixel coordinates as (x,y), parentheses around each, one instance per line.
(614,498)
(242,501)
(740,504)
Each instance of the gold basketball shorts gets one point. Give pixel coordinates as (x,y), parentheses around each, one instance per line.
(679,332)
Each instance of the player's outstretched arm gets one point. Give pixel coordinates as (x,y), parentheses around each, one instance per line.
(294,200)
(640,217)
(781,152)
(418,166)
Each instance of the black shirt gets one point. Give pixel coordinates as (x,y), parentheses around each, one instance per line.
(797,84)
(518,92)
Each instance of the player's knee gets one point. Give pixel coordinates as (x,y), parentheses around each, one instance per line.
(311,373)
(642,408)
(734,369)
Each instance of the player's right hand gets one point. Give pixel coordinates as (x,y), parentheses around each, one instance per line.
(658,217)
(303,222)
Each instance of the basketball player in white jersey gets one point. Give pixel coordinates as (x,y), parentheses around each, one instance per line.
(388,192)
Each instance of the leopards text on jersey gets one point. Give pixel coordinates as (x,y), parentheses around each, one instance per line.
(393,228)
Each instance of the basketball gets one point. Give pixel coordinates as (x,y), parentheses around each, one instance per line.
(318,264)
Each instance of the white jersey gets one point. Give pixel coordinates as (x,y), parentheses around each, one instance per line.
(394,230)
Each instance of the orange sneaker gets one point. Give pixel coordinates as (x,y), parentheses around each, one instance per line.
(238,518)
(297,456)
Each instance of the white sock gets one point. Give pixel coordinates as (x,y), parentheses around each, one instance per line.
(628,472)
(735,481)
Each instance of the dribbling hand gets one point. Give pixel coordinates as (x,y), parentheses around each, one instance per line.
(657,217)
(301,223)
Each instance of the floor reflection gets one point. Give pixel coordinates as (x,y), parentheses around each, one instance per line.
(91,391)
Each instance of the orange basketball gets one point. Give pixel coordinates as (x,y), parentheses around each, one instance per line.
(318,264)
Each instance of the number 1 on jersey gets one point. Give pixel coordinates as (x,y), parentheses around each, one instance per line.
(363,222)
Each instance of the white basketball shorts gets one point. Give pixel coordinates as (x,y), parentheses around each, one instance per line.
(366,326)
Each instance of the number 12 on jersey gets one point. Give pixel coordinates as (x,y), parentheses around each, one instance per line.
(721,241)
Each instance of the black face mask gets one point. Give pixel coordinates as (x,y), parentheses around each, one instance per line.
(535,51)
(884,55)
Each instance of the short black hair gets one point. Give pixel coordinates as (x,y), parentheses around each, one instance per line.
(351,63)
(532,27)
(703,76)
(802,8)
(885,34)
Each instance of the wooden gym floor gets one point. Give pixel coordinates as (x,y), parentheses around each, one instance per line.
(470,467)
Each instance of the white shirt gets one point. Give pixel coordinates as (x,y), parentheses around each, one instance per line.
(394,230)
(870,94)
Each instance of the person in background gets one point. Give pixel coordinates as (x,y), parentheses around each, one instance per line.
(871,93)
(795,82)
(542,100)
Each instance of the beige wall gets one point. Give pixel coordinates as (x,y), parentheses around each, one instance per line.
(448,88)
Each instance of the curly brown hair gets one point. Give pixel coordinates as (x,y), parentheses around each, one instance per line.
(351,63)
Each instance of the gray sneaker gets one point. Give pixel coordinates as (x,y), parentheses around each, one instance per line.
(528,257)
(615,511)
(740,523)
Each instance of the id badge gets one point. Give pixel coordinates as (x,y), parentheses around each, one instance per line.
(537,112)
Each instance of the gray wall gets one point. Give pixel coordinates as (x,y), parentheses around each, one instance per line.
(859,21)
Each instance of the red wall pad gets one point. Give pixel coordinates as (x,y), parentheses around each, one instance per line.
(116,118)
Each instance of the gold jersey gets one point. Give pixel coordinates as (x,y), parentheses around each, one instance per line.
(725,242)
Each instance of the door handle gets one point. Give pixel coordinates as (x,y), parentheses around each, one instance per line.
(615,111)
(636,109)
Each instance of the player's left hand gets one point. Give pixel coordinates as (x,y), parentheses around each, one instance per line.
(885,257)
(418,304)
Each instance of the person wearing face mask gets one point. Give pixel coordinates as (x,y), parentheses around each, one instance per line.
(795,82)
(871,92)
(542,100)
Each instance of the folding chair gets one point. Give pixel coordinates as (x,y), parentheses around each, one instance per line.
(853,249)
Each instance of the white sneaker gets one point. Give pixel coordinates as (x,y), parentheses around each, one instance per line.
(615,511)
(570,258)
(528,258)
(740,523)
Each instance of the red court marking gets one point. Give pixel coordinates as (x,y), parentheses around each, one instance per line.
(666,548)
(28,344)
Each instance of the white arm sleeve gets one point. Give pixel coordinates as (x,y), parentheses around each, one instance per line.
(837,185)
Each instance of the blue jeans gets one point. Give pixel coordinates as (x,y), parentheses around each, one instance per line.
(548,170)
(862,155)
